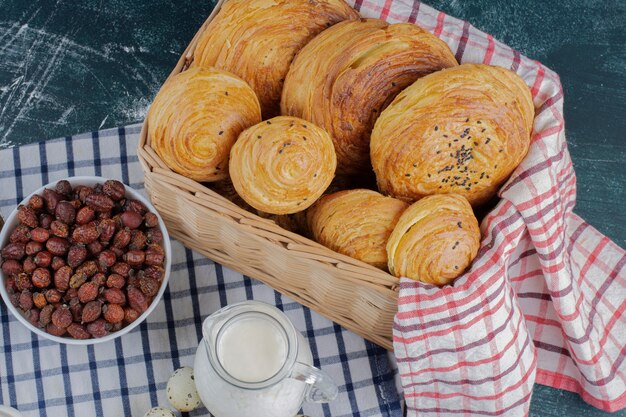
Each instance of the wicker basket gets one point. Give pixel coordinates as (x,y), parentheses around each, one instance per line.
(353,294)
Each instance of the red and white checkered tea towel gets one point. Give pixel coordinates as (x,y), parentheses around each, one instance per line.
(544,300)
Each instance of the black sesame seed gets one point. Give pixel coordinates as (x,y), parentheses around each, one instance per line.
(436,128)
(449,145)
(258,137)
(221,132)
(428,175)
(268,122)
(407,175)
(460,224)
(226,92)
(304,137)
(495,166)
(315,175)
(304,126)
(414,165)
(487,141)
(438,152)
(467,120)
(479,122)
(475,143)
(281,151)
(393,84)
(455,140)
(445,136)
(501,150)
(483,130)
(467,188)
(456,267)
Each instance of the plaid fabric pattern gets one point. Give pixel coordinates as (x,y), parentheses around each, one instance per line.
(544,299)
(127,376)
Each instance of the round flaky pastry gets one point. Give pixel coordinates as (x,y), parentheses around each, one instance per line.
(349,73)
(356,223)
(282,165)
(257,40)
(435,240)
(460,130)
(195,119)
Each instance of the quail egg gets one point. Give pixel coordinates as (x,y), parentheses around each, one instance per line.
(181,390)
(159,412)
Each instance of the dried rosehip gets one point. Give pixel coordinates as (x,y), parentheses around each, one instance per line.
(11,267)
(57,246)
(64,187)
(21,234)
(55,330)
(100,279)
(115,281)
(33,316)
(90,268)
(114,296)
(78,331)
(95,247)
(121,268)
(39,300)
(39,234)
(62,317)
(10,284)
(85,215)
(78,279)
(122,238)
(52,199)
(14,251)
(53,296)
(77,310)
(23,282)
(107,230)
(88,292)
(155,255)
(151,220)
(26,300)
(33,247)
(99,202)
(83,191)
(65,212)
(70,294)
(91,311)
(130,315)
(29,264)
(45,220)
(137,300)
(45,316)
(107,258)
(27,216)
(62,278)
(131,219)
(15,299)
(59,229)
(36,202)
(98,328)
(76,255)
(86,233)
(154,235)
(104,215)
(57,263)
(41,277)
(43,259)
(114,189)
(134,258)
(135,205)
(113,313)
(149,286)
(138,240)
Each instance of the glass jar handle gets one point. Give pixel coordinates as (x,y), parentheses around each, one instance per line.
(321,388)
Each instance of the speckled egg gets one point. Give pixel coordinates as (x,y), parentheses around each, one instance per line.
(159,412)
(181,390)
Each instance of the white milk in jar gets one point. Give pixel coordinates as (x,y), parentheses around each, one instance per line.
(252,362)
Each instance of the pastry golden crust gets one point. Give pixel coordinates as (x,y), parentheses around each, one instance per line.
(282,165)
(257,40)
(435,240)
(461,130)
(195,119)
(356,223)
(348,74)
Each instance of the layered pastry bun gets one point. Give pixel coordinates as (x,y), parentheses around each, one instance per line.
(257,40)
(349,73)
(356,223)
(461,130)
(435,240)
(196,118)
(282,165)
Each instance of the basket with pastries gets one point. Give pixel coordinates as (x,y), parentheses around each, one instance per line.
(327,155)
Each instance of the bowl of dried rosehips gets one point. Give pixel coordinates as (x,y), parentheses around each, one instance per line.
(83,260)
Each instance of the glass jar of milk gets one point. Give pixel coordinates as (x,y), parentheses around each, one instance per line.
(253,362)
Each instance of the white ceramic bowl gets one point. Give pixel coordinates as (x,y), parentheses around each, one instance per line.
(10,224)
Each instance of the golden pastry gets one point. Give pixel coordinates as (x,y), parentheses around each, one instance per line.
(356,223)
(282,165)
(348,74)
(257,40)
(435,240)
(195,119)
(461,130)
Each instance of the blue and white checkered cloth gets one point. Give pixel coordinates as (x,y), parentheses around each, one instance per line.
(127,376)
